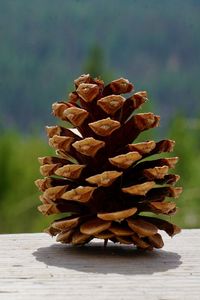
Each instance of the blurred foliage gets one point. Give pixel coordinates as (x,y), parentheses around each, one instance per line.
(18,194)
(19,169)
(45,45)
(186,133)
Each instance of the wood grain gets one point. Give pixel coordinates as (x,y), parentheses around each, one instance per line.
(33,266)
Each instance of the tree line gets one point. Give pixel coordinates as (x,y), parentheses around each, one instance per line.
(46,44)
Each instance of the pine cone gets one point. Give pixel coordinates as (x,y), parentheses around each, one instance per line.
(103,181)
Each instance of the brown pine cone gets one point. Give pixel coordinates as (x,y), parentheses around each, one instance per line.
(99,178)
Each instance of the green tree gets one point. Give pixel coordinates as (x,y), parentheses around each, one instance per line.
(95,64)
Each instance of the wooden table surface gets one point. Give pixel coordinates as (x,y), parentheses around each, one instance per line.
(34,266)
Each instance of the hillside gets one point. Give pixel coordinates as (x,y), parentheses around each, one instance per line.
(45,44)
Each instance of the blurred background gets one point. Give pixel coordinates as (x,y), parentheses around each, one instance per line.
(46,44)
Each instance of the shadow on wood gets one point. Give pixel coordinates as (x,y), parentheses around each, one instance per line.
(94,258)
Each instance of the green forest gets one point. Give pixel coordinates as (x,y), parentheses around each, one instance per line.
(45,44)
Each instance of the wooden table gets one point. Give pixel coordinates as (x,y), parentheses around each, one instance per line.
(33,266)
